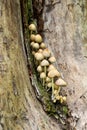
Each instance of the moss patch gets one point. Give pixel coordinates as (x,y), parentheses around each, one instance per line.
(57,110)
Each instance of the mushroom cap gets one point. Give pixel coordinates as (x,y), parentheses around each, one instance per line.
(42,45)
(38,38)
(32,43)
(64,99)
(48,79)
(36,46)
(32,27)
(53,73)
(52,59)
(33,53)
(58,97)
(44,63)
(32,37)
(39,56)
(50,67)
(60,82)
(49,85)
(40,50)
(42,75)
(39,68)
(46,53)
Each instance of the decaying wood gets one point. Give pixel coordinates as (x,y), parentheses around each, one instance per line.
(65,32)
(19,108)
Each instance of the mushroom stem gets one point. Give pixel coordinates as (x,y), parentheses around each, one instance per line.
(58,89)
(43,82)
(45,69)
(31,32)
(52,87)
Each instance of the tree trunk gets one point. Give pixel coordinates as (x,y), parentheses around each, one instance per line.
(19,108)
(65,32)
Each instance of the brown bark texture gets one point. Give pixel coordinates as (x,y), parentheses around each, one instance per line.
(65,33)
(19,108)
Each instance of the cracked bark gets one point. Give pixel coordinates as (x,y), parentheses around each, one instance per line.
(19,108)
(65,32)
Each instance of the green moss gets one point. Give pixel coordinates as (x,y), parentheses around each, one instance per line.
(52,109)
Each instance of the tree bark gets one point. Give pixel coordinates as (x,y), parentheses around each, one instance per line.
(65,30)
(19,108)
(65,33)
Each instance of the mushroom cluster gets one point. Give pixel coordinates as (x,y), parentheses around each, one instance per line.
(49,76)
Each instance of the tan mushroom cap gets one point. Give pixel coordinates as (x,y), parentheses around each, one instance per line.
(35,46)
(49,85)
(40,50)
(33,53)
(51,67)
(53,73)
(42,75)
(32,37)
(39,56)
(39,68)
(46,53)
(60,82)
(44,63)
(52,59)
(32,27)
(32,43)
(38,38)
(64,99)
(48,79)
(42,45)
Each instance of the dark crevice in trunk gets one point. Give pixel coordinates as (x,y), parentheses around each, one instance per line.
(31,12)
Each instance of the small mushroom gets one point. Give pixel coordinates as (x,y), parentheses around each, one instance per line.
(33,53)
(36,46)
(51,74)
(44,63)
(32,43)
(48,79)
(39,56)
(61,98)
(46,53)
(64,99)
(60,82)
(52,59)
(49,85)
(39,68)
(32,37)
(43,76)
(42,45)
(51,67)
(40,50)
(38,38)
(32,28)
